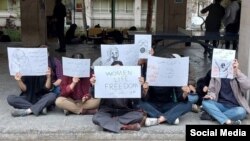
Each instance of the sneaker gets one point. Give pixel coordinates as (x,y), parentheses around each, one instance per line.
(19,113)
(237,122)
(151,121)
(195,108)
(66,112)
(45,111)
(206,116)
(177,121)
(134,127)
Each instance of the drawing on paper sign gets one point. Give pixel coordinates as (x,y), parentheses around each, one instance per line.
(143,45)
(113,54)
(222,63)
(223,67)
(19,59)
(125,53)
(28,61)
(167,72)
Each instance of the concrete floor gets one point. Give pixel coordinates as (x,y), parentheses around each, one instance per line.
(56,126)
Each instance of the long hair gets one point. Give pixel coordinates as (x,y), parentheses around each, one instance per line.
(117,63)
(77,55)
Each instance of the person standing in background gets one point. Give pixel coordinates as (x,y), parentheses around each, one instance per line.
(59,14)
(231,21)
(213,20)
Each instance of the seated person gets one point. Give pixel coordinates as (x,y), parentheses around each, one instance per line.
(35,95)
(56,72)
(116,114)
(75,97)
(226,101)
(70,35)
(164,104)
(161,106)
(202,86)
(191,87)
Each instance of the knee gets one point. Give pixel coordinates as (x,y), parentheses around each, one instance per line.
(206,103)
(59,101)
(193,98)
(241,112)
(95,119)
(11,99)
(52,97)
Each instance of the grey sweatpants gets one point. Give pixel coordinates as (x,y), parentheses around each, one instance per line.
(21,102)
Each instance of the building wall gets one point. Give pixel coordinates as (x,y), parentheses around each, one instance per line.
(170,15)
(9,9)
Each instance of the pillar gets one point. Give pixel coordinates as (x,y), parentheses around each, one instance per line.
(137,13)
(244,48)
(33,20)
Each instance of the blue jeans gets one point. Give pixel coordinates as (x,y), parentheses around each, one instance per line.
(56,90)
(171,111)
(193,98)
(223,113)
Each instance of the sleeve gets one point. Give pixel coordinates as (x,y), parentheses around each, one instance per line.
(179,94)
(211,88)
(206,9)
(86,85)
(243,80)
(65,89)
(59,71)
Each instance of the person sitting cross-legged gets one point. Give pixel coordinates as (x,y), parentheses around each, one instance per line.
(116,114)
(225,100)
(35,96)
(75,97)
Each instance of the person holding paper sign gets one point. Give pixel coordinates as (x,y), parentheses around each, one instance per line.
(56,72)
(75,97)
(165,104)
(118,114)
(226,101)
(35,95)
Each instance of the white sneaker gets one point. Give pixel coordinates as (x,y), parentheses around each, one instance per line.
(151,121)
(177,121)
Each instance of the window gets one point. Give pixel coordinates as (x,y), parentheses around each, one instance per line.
(102,6)
(121,6)
(124,6)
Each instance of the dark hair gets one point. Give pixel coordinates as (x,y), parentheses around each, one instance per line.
(218,1)
(117,63)
(73,26)
(77,55)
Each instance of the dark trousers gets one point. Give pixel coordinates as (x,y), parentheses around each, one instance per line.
(232,29)
(171,111)
(60,34)
(113,122)
(21,102)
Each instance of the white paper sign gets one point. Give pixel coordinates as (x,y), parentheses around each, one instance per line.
(76,67)
(222,63)
(144,44)
(117,82)
(126,53)
(28,61)
(167,71)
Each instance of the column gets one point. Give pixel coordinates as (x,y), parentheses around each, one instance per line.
(33,22)
(244,47)
(137,13)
